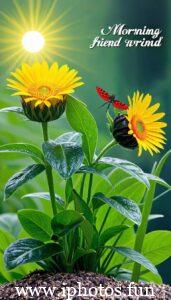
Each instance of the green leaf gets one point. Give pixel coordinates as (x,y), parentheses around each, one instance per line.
(93,170)
(44,195)
(157,246)
(66,158)
(150,277)
(110,233)
(153,217)
(126,207)
(127,166)
(82,121)
(80,252)
(36,223)
(15,109)
(27,149)
(69,137)
(136,257)
(66,221)
(22,177)
(158,180)
(10,223)
(82,207)
(29,250)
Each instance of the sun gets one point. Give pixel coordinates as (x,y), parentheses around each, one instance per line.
(33,41)
(37,31)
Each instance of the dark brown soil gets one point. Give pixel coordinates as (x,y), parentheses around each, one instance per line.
(89,281)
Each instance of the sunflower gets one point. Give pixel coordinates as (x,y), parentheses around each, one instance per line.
(144,124)
(44,89)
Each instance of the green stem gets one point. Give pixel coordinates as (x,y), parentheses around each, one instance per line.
(89,188)
(49,174)
(104,220)
(82,186)
(142,229)
(105,149)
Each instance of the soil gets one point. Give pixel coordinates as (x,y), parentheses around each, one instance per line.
(89,283)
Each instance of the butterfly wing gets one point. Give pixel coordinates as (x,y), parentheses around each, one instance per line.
(103,94)
(120,105)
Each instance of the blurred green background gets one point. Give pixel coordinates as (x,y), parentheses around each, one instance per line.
(118,70)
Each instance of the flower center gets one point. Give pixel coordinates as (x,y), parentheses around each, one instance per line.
(138,128)
(44,91)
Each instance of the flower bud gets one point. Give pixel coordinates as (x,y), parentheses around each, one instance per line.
(120,131)
(43,113)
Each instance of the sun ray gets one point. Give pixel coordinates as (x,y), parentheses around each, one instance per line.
(37,11)
(56,21)
(48,16)
(20,13)
(10,20)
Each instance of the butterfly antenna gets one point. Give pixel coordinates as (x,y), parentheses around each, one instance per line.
(103,105)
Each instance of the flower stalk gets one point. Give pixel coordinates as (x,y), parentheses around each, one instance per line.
(105,149)
(141,232)
(49,174)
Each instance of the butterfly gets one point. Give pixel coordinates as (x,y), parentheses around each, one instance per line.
(110,99)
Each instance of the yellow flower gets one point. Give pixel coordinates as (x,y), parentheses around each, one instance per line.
(144,125)
(44,89)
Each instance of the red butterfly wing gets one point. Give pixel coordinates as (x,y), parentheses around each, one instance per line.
(103,94)
(120,105)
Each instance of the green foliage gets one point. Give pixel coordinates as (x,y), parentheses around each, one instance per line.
(29,250)
(126,207)
(36,223)
(22,177)
(27,149)
(82,121)
(66,221)
(65,157)
(96,203)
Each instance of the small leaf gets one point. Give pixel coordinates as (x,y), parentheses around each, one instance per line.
(36,223)
(153,217)
(110,233)
(29,250)
(66,158)
(15,109)
(136,257)
(69,137)
(126,207)
(82,121)
(24,148)
(44,195)
(127,166)
(66,221)
(22,177)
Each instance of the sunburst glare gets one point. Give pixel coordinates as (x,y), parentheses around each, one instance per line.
(35,33)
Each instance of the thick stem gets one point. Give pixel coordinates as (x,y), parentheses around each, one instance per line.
(142,230)
(105,149)
(49,174)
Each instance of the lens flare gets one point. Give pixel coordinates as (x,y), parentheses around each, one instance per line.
(33,41)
